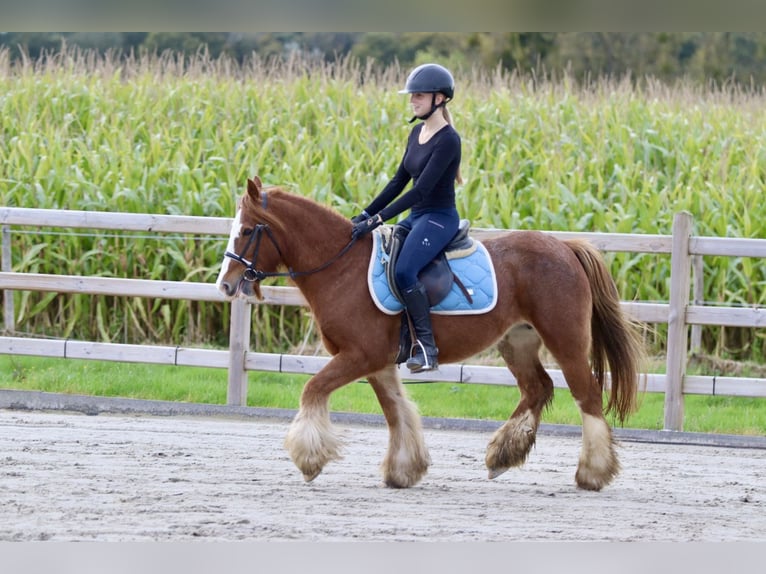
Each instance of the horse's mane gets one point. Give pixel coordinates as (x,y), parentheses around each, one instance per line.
(289,213)
(314,212)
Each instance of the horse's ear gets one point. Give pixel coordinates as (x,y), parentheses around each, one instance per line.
(254,187)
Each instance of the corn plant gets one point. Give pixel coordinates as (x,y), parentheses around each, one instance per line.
(180,134)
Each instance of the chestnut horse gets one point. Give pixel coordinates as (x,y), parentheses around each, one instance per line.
(550,292)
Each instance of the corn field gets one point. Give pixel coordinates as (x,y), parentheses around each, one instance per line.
(176,134)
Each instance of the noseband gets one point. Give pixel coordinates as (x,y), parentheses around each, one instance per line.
(252,274)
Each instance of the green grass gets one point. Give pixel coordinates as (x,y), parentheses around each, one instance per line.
(728,415)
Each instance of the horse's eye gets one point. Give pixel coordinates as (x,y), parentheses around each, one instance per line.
(247,231)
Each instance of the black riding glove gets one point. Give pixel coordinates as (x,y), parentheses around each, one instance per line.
(359,218)
(365,226)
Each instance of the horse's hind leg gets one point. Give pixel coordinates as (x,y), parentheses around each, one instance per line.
(598,463)
(511,443)
(407,459)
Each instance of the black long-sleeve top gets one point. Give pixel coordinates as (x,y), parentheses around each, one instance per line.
(431,166)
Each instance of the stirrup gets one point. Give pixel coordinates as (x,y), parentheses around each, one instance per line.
(418,366)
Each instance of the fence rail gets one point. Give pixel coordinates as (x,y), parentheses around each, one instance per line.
(685,250)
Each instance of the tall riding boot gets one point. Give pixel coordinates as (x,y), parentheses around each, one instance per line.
(424,352)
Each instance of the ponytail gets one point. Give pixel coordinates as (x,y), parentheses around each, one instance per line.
(448,117)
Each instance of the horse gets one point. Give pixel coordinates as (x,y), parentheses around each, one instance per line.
(551,292)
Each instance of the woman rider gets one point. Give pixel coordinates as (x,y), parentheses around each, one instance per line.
(431,161)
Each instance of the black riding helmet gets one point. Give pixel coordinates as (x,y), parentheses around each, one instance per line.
(430,79)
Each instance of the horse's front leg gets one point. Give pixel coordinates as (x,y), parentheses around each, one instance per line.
(312,441)
(407,459)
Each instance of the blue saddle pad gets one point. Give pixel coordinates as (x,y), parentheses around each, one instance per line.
(474,268)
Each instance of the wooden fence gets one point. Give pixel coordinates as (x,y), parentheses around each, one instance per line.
(680,313)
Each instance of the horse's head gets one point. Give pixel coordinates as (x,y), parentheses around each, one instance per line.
(251,250)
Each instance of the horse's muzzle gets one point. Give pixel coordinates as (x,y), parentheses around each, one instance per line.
(228,289)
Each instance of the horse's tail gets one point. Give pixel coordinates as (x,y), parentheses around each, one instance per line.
(616,340)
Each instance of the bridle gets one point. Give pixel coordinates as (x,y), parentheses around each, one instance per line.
(252,274)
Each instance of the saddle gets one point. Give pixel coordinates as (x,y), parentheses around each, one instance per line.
(437,277)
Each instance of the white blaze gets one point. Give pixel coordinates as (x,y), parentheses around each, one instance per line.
(236,231)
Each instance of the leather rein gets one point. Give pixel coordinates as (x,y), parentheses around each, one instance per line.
(252,274)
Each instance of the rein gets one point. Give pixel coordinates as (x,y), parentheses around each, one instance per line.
(252,274)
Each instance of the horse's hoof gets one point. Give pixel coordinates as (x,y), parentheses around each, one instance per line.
(308,477)
(495,472)
(591,484)
(590,481)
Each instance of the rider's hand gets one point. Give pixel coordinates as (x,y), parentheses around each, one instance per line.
(359,218)
(365,226)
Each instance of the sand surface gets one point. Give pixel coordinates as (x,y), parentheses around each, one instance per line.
(73,477)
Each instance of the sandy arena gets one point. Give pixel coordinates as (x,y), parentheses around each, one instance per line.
(72,477)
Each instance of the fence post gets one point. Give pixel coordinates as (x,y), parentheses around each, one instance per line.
(678,336)
(5,265)
(239,342)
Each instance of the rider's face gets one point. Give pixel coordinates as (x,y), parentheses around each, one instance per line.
(421,102)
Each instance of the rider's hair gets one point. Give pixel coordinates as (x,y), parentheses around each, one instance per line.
(448,117)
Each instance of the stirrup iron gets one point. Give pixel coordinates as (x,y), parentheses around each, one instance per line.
(418,367)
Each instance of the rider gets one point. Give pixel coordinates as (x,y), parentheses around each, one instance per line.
(432,161)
